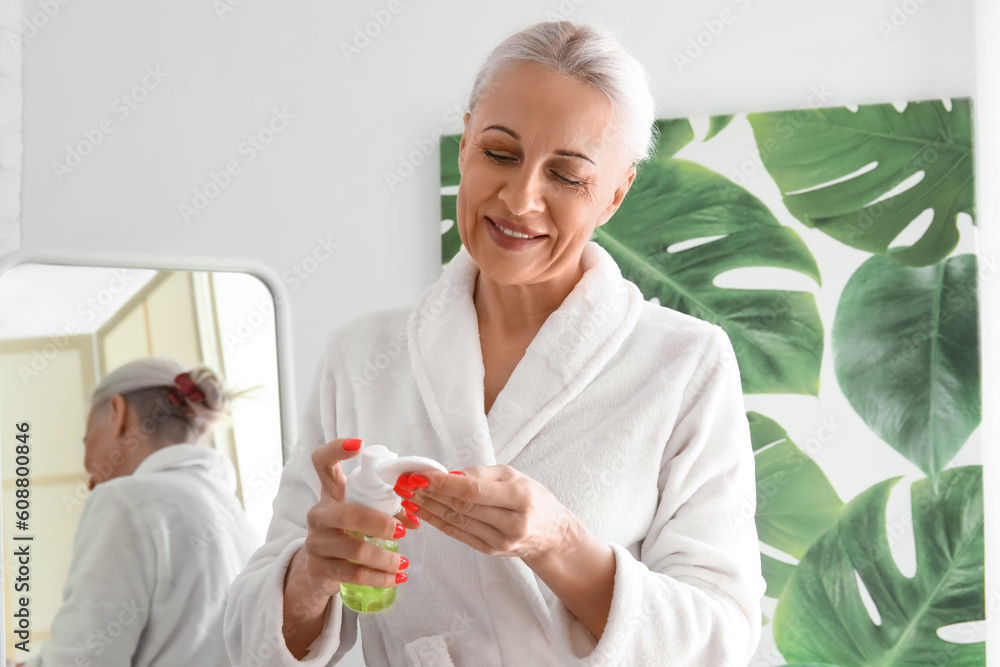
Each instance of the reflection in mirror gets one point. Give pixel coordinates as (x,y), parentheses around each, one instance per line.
(63,329)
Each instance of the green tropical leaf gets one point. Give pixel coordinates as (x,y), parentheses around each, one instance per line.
(449,159)
(911,371)
(764,430)
(821,616)
(717,124)
(776,573)
(795,500)
(777,335)
(451,241)
(806,149)
(672,135)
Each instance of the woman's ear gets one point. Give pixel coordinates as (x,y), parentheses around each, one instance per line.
(618,195)
(118,414)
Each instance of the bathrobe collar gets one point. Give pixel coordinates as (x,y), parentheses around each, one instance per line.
(569,350)
(196,459)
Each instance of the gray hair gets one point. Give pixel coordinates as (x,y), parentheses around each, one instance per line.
(589,54)
(147,386)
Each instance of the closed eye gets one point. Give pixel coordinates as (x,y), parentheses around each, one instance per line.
(566,180)
(498,158)
(506,159)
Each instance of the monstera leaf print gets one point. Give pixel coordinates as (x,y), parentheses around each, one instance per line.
(821,616)
(906,354)
(795,500)
(837,171)
(777,335)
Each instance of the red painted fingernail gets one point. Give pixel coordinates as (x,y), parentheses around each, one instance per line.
(403,492)
(457,472)
(400,577)
(419,481)
(400,531)
(404,562)
(352,444)
(412,507)
(404,482)
(412,517)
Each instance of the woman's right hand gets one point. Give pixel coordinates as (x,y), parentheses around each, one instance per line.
(331,557)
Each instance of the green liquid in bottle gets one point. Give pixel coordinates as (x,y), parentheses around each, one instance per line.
(369,599)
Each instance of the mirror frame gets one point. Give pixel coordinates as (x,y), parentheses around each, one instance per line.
(168,262)
(264,273)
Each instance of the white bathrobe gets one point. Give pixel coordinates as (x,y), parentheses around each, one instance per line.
(630,413)
(153,558)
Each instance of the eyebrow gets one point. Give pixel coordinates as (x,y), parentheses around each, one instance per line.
(561,151)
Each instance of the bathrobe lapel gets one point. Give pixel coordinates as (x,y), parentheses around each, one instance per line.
(570,349)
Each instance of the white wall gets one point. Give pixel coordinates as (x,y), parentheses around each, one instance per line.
(987,126)
(323,175)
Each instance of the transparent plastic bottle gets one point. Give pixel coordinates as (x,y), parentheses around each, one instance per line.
(371,484)
(369,599)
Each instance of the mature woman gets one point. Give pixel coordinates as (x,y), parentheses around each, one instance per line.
(600,514)
(161,535)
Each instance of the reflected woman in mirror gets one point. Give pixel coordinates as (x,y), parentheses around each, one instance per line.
(603,513)
(161,535)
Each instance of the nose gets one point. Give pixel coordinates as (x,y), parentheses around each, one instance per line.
(522,190)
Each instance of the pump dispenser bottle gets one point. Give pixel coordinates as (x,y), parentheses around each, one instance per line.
(371,485)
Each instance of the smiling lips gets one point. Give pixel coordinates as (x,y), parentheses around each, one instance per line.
(514,231)
(512,238)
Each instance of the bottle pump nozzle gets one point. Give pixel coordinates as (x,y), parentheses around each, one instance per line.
(371,484)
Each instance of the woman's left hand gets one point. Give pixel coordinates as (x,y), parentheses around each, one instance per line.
(494,509)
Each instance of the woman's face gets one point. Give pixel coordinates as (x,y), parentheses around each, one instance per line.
(105,456)
(541,154)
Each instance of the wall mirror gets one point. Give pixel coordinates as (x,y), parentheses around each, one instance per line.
(64,327)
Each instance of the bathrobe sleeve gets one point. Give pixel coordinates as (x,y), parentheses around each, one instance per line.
(107,593)
(692,598)
(254,612)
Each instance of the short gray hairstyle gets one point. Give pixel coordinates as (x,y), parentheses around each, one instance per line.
(589,54)
(147,385)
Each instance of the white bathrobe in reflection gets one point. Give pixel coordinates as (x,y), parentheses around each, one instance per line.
(153,558)
(631,414)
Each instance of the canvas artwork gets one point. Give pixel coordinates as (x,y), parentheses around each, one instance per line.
(836,247)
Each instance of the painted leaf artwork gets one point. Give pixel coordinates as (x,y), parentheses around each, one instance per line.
(832,245)
(839,172)
(912,371)
(946,589)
